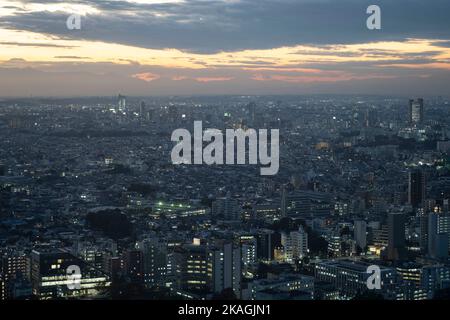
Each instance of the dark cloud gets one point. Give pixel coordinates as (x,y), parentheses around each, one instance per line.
(33,44)
(212,26)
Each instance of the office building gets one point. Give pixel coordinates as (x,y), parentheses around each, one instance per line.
(206,269)
(350,277)
(360,234)
(264,245)
(295,244)
(225,261)
(416,113)
(227,208)
(438,235)
(121,103)
(416,188)
(396,249)
(155,260)
(50,277)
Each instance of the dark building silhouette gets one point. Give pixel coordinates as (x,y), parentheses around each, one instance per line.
(264,245)
(134,265)
(416,188)
(396,236)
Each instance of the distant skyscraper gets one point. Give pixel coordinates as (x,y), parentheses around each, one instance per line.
(360,233)
(416,111)
(396,236)
(251,110)
(423,223)
(371,118)
(142,108)
(144,113)
(416,188)
(283,201)
(121,103)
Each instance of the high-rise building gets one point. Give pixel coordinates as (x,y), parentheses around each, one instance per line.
(121,103)
(360,233)
(142,109)
(416,111)
(3,295)
(155,260)
(205,269)
(249,251)
(191,269)
(334,245)
(133,261)
(396,249)
(283,201)
(438,235)
(295,244)
(251,111)
(265,246)
(371,118)
(225,261)
(144,113)
(416,188)
(423,224)
(434,277)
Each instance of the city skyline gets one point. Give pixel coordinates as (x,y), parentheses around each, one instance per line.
(223,47)
(253,151)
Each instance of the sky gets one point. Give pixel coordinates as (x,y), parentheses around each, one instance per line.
(250,47)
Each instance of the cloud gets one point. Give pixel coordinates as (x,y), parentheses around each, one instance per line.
(72,57)
(146,76)
(179,78)
(214,26)
(213,79)
(315,79)
(223,46)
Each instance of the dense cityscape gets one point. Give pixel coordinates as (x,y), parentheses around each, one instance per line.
(87,184)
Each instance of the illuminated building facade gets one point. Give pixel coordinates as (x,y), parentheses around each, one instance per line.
(50,278)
